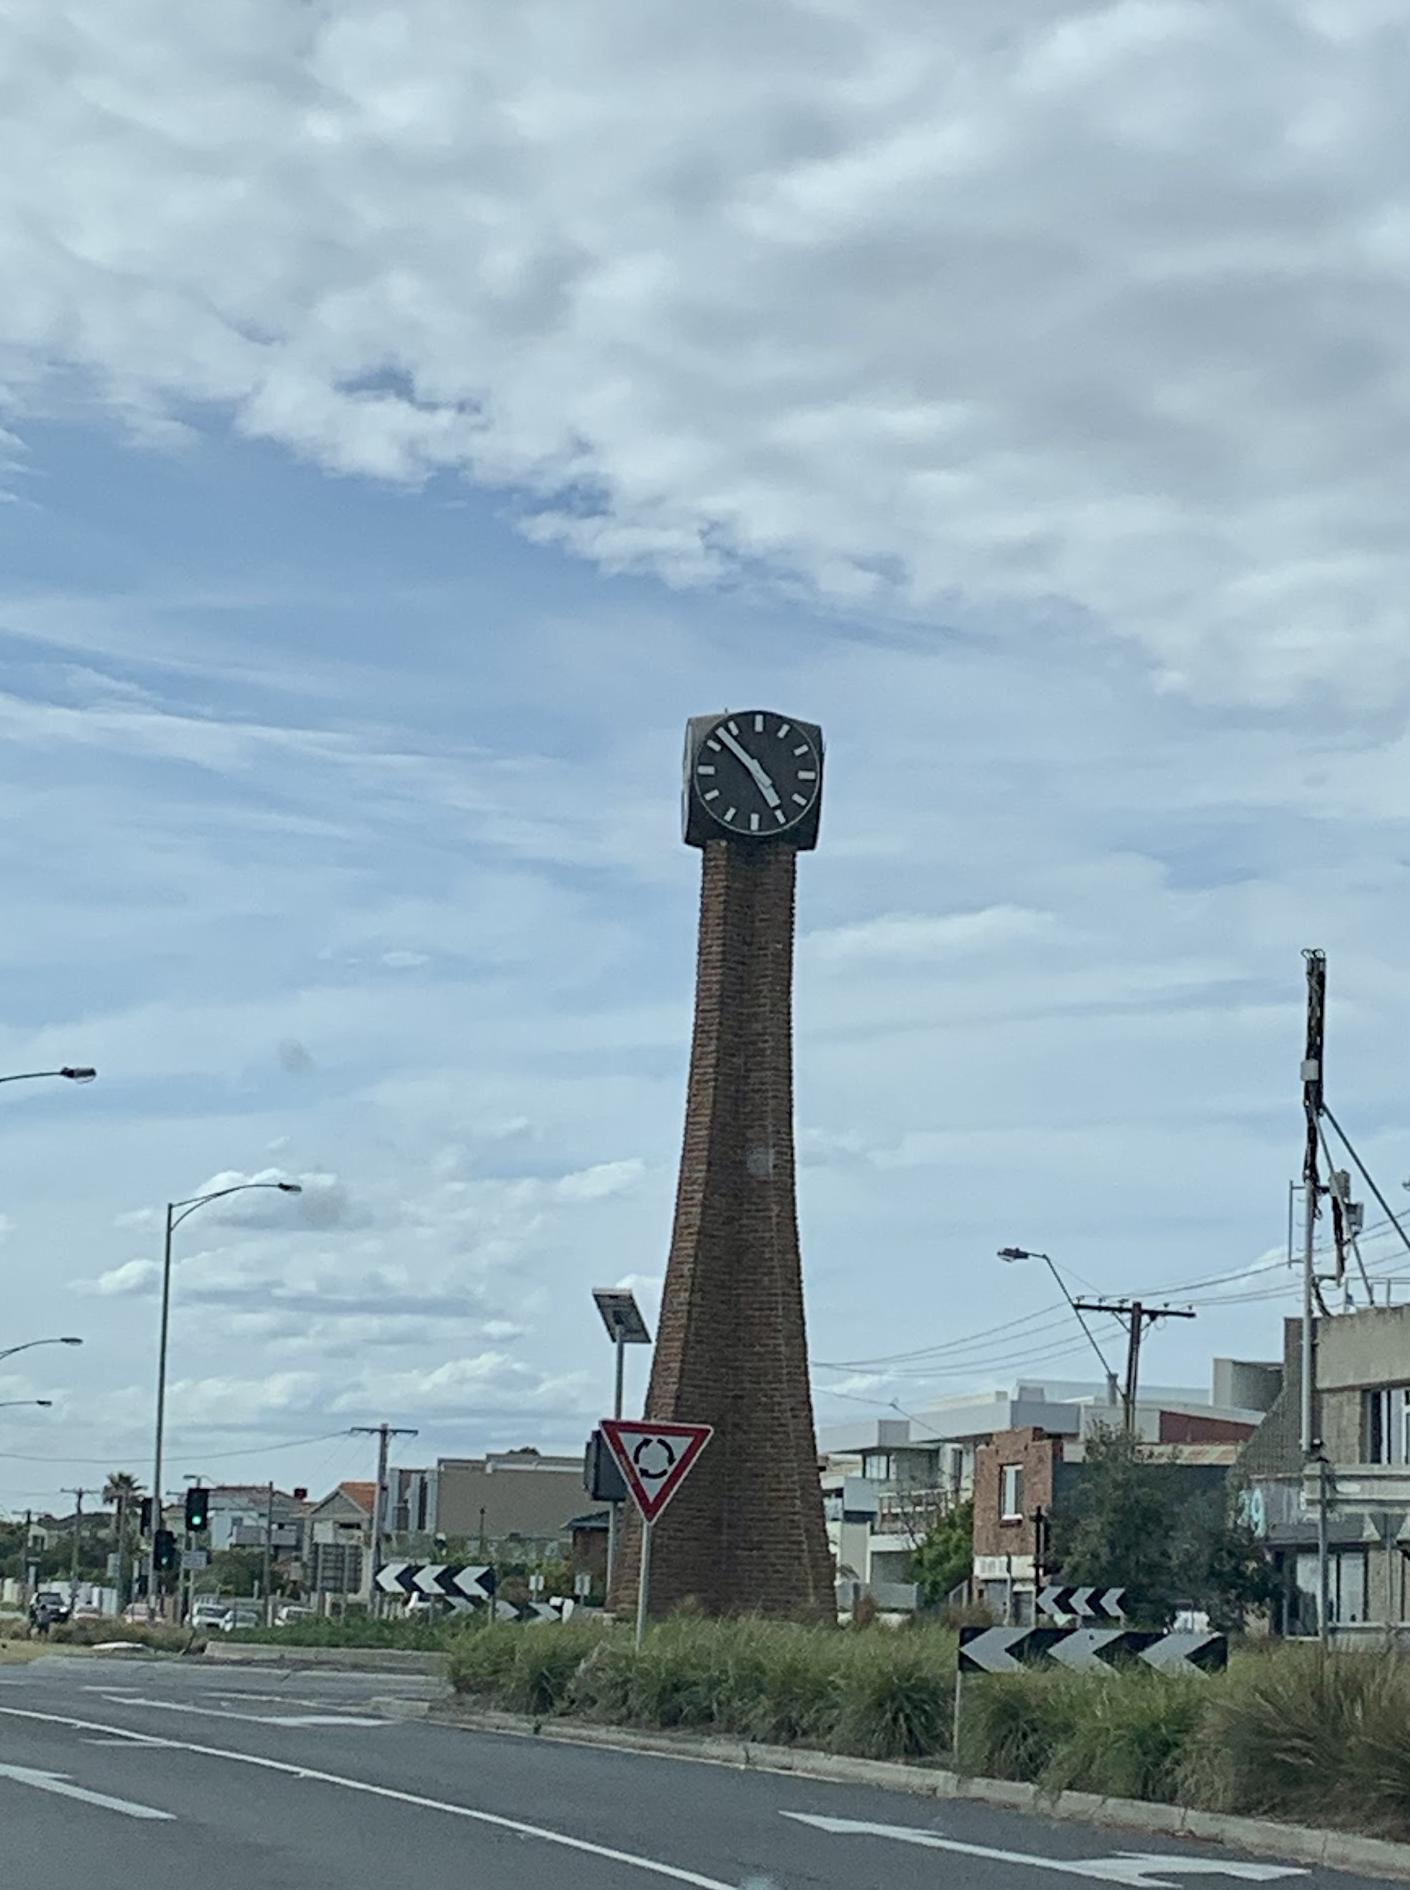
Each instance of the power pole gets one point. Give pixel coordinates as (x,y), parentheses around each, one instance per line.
(384,1433)
(1135,1317)
(1312,1107)
(78,1496)
(269,1558)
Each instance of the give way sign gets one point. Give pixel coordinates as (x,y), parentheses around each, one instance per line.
(654,1458)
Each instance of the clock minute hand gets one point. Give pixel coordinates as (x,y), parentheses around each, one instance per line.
(756,768)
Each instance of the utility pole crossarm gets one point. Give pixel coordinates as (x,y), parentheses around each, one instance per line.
(1135,1316)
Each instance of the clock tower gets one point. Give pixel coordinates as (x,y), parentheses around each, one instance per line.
(746,1533)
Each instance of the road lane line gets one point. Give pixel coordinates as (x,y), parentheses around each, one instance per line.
(652,1866)
(254,1719)
(58,1784)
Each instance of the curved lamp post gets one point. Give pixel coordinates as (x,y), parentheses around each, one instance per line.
(9,1351)
(176,1213)
(11,1404)
(81,1073)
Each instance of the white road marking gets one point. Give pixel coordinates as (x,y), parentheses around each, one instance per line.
(254,1719)
(58,1784)
(652,1866)
(1132,1869)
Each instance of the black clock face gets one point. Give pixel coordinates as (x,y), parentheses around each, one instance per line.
(757,774)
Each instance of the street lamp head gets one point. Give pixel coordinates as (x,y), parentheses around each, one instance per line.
(289,1187)
(1014,1253)
(45,1404)
(70,1341)
(80,1074)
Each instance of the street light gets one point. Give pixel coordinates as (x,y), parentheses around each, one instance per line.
(11,1404)
(74,1074)
(29,1344)
(176,1213)
(625,1326)
(1027,1253)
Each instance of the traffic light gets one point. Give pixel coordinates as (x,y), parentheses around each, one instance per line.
(146,1516)
(198,1509)
(164,1550)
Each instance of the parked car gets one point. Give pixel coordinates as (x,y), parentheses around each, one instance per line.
(290,1611)
(241,1614)
(209,1614)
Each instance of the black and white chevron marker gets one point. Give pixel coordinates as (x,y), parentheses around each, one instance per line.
(460,1585)
(1085,1604)
(1090,1650)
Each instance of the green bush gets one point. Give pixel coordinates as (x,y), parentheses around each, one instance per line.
(1014,1724)
(895,1696)
(1124,1737)
(1301,1732)
(412,1634)
(522,1669)
(93,1633)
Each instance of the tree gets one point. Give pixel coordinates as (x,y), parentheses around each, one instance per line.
(120,1493)
(1129,1522)
(945,1556)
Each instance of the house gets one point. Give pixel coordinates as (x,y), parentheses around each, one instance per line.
(338,1542)
(240,1518)
(919,1468)
(1361,1414)
(587,1551)
(1022,1474)
(515,1498)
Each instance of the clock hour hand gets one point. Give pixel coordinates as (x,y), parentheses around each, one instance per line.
(756,769)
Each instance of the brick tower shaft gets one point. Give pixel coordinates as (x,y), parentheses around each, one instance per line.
(746,1532)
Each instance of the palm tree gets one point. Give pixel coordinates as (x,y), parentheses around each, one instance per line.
(119,1492)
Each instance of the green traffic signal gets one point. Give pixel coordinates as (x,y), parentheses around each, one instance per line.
(197,1510)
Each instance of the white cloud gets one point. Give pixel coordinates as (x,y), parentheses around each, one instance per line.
(1092,313)
(133,1276)
(905,935)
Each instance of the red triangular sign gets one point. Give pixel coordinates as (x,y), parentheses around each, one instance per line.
(654,1458)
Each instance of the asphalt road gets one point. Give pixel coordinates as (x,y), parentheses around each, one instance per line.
(142,1775)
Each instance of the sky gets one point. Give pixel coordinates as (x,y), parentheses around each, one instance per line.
(410,415)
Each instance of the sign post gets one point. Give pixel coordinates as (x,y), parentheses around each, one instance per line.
(655,1459)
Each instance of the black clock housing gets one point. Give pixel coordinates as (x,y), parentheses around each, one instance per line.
(753,776)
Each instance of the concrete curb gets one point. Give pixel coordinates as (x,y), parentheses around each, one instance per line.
(338,1659)
(1295,1843)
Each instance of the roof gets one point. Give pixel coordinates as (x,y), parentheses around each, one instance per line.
(594,1519)
(363,1494)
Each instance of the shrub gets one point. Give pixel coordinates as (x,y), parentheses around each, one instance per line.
(1126,1736)
(409,1633)
(1301,1732)
(1013,1725)
(93,1633)
(896,1697)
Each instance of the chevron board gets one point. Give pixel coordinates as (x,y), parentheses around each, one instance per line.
(447,1581)
(1086,1604)
(1090,1650)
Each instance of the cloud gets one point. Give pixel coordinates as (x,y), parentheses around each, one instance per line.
(903,936)
(1073,315)
(132,1277)
(404,960)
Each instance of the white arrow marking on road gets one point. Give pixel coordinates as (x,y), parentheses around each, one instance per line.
(1132,1870)
(58,1784)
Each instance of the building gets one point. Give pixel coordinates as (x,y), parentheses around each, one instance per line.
(338,1542)
(1021,1474)
(241,1516)
(1361,1413)
(919,1468)
(587,1550)
(518,1500)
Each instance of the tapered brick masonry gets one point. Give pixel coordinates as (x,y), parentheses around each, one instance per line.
(746,1533)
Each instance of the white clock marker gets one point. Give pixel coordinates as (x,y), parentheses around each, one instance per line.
(801,799)
(753,823)
(780,816)
(801,749)
(714,745)
(730,813)
(708,767)
(758,724)
(783,729)
(734,728)
(804,774)
(711,794)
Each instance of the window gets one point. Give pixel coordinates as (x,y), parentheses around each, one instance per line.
(1385,1425)
(1011,1492)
